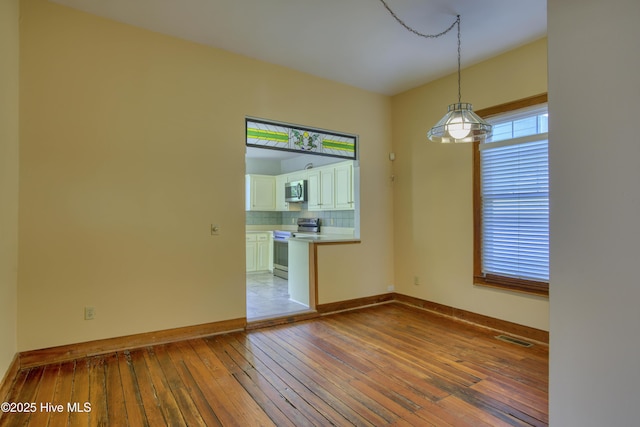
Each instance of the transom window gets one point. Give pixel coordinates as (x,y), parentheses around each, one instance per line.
(512,202)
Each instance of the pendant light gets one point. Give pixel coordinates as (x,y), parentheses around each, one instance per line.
(460,124)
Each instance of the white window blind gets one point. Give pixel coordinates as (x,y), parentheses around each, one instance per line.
(515,198)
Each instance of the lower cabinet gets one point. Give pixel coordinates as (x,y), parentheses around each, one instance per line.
(259,247)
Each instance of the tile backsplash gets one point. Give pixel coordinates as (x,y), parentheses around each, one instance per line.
(328,218)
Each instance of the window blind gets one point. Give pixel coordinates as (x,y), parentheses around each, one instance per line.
(515,208)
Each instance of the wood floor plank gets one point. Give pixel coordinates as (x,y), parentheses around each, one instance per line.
(188,409)
(97,392)
(510,396)
(134,405)
(332,386)
(62,393)
(80,392)
(228,395)
(406,377)
(298,396)
(116,407)
(383,365)
(46,407)
(339,378)
(14,395)
(166,400)
(27,395)
(438,415)
(153,411)
(474,415)
(394,348)
(316,388)
(239,395)
(260,389)
(412,420)
(331,343)
(199,399)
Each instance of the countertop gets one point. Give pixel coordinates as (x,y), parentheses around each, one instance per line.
(331,235)
(325,238)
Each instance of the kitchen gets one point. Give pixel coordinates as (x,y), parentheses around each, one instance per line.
(293,200)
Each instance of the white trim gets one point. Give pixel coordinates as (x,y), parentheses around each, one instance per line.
(515,141)
(510,116)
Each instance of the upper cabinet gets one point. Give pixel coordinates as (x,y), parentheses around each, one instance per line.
(260,192)
(344,194)
(281,204)
(329,187)
(320,189)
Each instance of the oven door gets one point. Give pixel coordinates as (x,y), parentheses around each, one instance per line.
(281,258)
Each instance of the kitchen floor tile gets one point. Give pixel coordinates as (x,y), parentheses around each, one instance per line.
(268,296)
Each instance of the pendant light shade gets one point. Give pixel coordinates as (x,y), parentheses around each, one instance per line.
(460,124)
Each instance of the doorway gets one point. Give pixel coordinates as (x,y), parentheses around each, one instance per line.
(278,154)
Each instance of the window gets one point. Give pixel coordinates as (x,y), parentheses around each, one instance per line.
(511,199)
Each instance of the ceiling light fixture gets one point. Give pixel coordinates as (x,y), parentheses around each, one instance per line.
(460,124)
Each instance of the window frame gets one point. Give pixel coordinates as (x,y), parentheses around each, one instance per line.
(512,284)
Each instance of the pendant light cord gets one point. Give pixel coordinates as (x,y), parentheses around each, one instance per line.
(428,36)
(459,85)
(431,36)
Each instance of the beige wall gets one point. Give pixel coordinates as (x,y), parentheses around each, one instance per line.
(433,190)
(9,77)
(132,144)
(594,152)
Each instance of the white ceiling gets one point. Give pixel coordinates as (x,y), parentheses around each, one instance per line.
(356,42)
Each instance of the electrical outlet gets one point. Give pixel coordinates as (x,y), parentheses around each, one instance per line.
(215,229)
(293,220)
(416,280)
(390,288)
(331,221)
(89,313)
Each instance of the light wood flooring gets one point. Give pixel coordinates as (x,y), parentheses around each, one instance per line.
(384,365)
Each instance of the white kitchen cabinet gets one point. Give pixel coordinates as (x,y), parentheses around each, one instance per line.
(259,256)
(263,252)
(331,187)
(281,205)
(320,189)
(313,190)
(344,190)
(251,245)
(260,193)
(327,190)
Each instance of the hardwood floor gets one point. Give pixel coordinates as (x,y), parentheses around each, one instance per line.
(384,365)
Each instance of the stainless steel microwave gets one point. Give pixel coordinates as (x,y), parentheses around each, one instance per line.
(295,191)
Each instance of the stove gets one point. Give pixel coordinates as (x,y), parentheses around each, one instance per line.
(281,253)
(308,225)
(282,235)
(281,244)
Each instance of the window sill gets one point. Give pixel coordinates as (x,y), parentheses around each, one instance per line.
(524,287)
